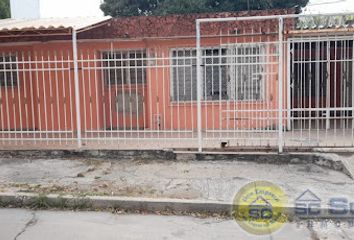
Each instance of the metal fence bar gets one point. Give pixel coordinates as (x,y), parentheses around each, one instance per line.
(352,110)
(280,85)
(77,89)
(199,87)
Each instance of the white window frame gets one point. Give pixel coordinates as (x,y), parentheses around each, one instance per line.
(126,74)
(12,70)
(231,68)
(172,66)
(232,90)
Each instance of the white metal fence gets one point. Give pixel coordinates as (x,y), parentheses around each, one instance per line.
(36,97)
(289,81)
(247,82)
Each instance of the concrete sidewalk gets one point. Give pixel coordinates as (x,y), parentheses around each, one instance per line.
(216,181)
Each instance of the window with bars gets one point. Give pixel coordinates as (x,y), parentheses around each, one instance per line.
(8,71)
(124,67)
(215,74)
(230,73)
(247,69)
(184,75)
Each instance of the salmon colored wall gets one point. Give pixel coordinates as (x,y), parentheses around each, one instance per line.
(53,87)
(184,115)
(104,99)
(44,98)
(16,109)
(98,101)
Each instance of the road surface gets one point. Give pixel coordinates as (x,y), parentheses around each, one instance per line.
(21,224)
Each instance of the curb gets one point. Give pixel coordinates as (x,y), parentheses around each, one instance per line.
(328,160)
(178,206)
(95,154)
(144,205)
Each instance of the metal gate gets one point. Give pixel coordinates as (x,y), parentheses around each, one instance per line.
(321,91)
(241,81)
(276,81)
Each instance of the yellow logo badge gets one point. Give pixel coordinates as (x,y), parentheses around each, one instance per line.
(259,208)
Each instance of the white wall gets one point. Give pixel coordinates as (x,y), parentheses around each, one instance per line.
(55,8)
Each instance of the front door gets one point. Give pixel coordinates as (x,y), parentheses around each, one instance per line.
(321,83)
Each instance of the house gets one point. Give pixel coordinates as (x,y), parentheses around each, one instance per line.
(136,78)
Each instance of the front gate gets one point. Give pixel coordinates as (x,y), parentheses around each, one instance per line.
(275,81)
(321,91)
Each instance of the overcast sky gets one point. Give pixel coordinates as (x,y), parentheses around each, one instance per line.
(91,7)
(330,6)
(72,8)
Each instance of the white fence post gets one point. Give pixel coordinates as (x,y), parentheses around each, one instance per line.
(353,90)
(280,86)
(288,82)
(199,89)
(77,90)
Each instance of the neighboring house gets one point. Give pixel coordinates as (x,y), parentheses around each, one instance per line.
(138,74)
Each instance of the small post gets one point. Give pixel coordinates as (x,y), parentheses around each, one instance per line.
(280,86)
(288,82)
(353,90)
(328,82)
(199,88)
(77,90)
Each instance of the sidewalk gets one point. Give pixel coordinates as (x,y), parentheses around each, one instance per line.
(216,181)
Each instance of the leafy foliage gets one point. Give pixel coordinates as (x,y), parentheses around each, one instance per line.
(4,9)
(165,7)
(128,7)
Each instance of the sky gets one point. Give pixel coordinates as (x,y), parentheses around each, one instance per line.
(329,6)
(91,7)
(71,8)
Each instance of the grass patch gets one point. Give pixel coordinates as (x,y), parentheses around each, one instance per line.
(40,202)
(81,204)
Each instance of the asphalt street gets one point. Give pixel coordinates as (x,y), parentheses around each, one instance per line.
(22,224)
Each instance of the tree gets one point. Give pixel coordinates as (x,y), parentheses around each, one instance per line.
(5,9)
(128,7)
(240,5)
(168,7)
(117,8)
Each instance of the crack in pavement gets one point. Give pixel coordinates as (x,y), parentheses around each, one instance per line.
(345,234)
(30,223)
(313,234)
